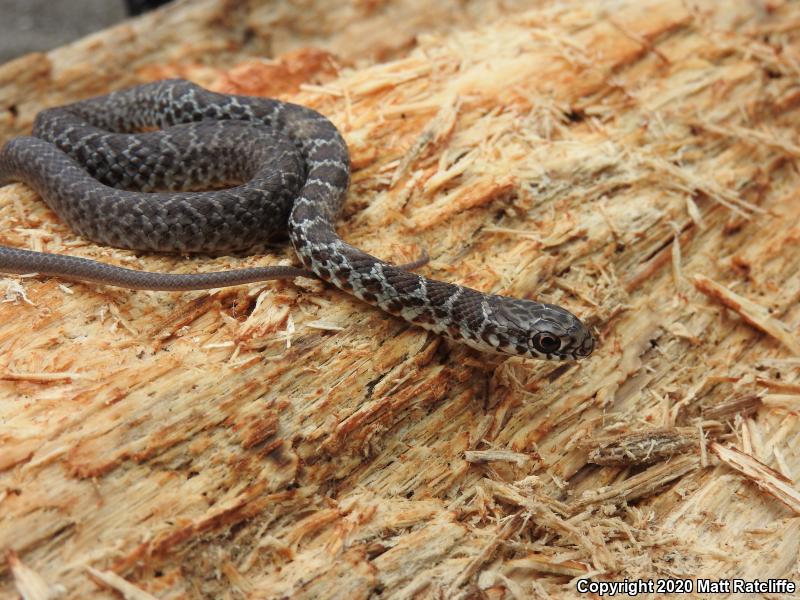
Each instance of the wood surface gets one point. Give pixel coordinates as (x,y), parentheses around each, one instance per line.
(635,161)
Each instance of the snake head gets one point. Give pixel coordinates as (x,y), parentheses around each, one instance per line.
(538,330)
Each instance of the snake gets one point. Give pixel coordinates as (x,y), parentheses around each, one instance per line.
(170,166)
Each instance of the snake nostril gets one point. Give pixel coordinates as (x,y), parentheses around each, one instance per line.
(587,347)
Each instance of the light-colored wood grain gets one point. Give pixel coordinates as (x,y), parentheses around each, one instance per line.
(284,440)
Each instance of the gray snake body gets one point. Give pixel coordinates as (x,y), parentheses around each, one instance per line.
(121,188)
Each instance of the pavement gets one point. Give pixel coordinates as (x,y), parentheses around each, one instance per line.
(40,25)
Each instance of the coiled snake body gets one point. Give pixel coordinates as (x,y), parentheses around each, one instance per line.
(101,178)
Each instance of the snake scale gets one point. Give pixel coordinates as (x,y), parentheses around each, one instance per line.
(101,166)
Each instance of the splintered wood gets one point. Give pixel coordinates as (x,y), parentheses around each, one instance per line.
(636,165)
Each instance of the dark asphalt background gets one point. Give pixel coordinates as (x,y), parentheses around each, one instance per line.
(40,25)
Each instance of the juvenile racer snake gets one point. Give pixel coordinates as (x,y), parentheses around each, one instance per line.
(116,185)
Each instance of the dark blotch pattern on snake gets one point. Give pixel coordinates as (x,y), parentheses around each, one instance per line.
(119,187)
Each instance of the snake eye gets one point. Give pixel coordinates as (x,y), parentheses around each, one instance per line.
(546,343)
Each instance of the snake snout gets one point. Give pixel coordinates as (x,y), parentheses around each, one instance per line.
(585,346)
